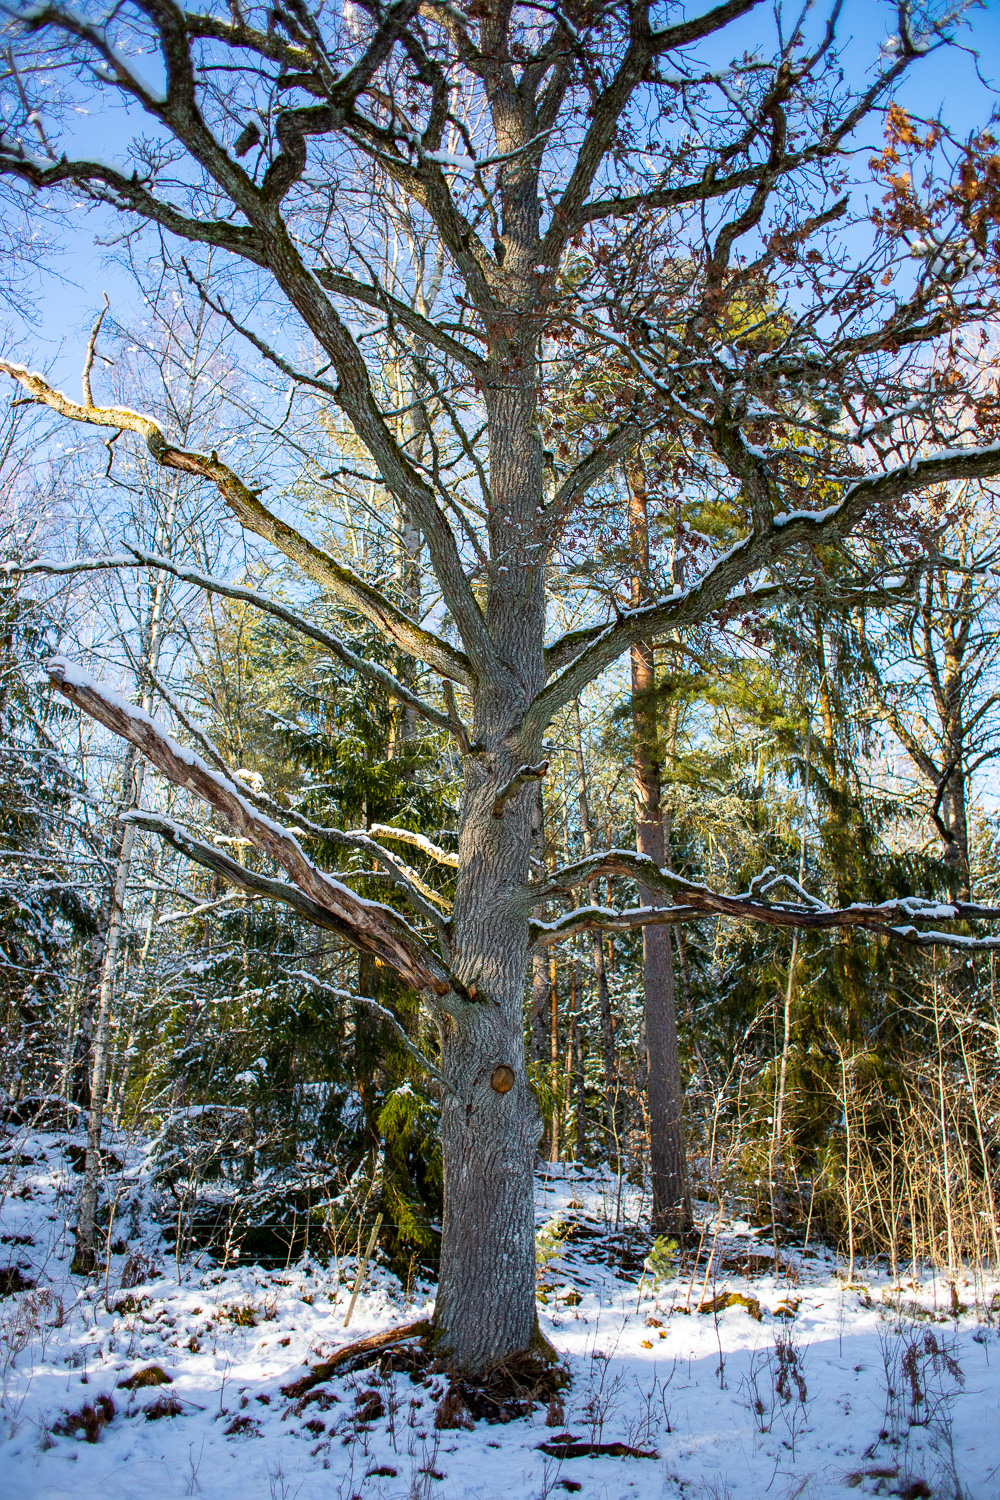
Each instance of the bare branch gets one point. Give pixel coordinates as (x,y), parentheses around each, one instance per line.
(88,362)
(424,328)
(373,928)
(212,858)
(755,552)
(207,581)
(418,841)
(384,1014)
(246,506)
(417,892)
(700,901)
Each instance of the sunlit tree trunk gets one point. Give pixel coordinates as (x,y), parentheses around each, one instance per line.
(597,941)
(671,1212)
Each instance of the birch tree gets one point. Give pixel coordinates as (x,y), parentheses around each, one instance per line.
(532,143)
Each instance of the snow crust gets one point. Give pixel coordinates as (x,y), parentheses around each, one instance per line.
(648,1368)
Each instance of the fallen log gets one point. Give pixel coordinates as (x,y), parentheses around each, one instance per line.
(370,1345)
(595,1450)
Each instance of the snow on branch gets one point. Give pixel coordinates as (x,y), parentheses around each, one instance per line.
(895,918)
(584,655)
(418,841)
(384,1014)
(140,557)
(418,893)
(255,884)
(368,925)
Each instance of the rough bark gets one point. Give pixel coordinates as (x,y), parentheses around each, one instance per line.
(486,1296)
(553,1140)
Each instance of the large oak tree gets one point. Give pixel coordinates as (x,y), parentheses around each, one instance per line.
(645,247)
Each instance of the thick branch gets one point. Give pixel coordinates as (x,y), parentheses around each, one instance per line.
(700,900)
(212,858)
(374,928)
(271,245)
(400,312)
(755,552)
(207,855)
(417,892)
(644,45)
(207,581)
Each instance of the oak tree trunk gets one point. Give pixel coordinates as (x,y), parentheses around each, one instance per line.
(485,1308)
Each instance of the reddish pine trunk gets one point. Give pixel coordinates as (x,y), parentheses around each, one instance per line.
(668,1162)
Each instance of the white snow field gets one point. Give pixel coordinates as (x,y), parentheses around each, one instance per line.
(807,1387)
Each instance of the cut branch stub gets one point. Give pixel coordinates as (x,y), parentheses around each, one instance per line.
(502,1079)
(517,781)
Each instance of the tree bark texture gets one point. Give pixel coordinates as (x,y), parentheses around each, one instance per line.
(486,1296)
(671,1211)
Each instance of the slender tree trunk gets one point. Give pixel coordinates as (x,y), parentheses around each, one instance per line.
(597,942)
(671,1212)
(778,1133)
(540,956)
(85,1256)
(554,1057)
(81,1059)
(539,1005)
(579,1072)
(121,1069)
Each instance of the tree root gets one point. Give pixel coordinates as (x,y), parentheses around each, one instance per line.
(505,1392)
(513,1388)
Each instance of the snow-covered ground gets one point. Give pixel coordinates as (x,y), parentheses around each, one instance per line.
(806,1387)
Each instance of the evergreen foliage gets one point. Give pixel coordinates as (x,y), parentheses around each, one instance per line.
(44,907)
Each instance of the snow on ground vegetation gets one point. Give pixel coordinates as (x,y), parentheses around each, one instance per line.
(732,1376)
